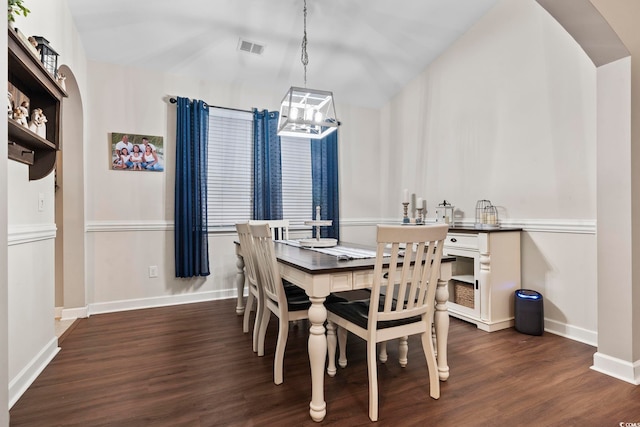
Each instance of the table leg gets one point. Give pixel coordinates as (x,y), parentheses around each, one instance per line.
(317,355)
(331,349)
(442,321)
(240,283)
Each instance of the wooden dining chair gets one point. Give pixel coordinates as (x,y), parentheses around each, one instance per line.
(279,228)
(412,277)
(288,303)
(254,290)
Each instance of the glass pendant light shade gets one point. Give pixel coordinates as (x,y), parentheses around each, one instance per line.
(307,113)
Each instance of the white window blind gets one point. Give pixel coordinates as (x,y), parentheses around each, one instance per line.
(229,168)
(297,202)
(230,172)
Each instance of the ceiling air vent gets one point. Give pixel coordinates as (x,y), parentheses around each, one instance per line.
(250,47)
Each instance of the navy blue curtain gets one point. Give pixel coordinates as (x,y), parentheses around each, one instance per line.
(267,166)
(324,176)
(190,230)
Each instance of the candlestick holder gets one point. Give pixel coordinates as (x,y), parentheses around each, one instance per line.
(419,219)
(405,218)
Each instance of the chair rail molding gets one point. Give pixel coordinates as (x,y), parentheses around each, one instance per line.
(572,226)
(119,226)
(28,233)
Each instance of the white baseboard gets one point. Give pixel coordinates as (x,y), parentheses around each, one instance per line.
(617,368)
(26,377)
(74,313)
(572,332)
(135,304)
(611,366)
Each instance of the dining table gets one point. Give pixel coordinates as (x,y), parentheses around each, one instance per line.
(320,273)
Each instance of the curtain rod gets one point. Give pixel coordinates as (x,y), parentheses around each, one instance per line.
(175,101)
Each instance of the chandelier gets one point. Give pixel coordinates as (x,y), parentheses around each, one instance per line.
(307,113)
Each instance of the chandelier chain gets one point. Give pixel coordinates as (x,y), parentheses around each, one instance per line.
(304,57)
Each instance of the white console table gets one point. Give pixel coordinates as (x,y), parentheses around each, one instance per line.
(485,275)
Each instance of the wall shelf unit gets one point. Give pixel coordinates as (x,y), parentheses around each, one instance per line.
(486,273)
(28,76)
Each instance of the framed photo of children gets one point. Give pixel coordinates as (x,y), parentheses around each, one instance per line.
(133,152)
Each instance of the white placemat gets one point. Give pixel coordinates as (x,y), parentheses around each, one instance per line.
(343,252)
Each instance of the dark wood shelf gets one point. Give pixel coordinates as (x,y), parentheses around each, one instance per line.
(26,138)
(30,78)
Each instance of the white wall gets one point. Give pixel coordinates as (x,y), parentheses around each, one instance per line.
(130,215)
(619,126)
(31,233)
(509,114)
(4,286)
(615,185)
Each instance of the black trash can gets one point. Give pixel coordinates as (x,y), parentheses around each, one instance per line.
(529,312)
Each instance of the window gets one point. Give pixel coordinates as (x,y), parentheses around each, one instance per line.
(297,198)
(230,166)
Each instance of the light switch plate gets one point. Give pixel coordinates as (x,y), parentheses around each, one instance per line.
(153,271)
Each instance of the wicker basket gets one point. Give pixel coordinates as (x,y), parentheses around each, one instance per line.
(463,294)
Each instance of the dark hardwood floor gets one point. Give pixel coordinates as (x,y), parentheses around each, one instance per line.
(191,365)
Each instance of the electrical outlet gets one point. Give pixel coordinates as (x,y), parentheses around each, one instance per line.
(40,202)
(153,271)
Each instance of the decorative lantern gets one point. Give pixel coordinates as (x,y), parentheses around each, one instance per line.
(48,56)
(481,218)
(486,215)
(491,216)
(444,213)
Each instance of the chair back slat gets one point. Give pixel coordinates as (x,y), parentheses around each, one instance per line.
(248,253)
(267,263)
(279,228)
(413,284)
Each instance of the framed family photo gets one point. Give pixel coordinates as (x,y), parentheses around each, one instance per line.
(133,152)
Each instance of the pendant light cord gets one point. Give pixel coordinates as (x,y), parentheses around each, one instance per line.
(304,57)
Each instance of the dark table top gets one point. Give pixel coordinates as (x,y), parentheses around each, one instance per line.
(313,262)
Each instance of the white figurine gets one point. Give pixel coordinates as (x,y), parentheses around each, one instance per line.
(20,117)
(60,78)
(24,107)
(10,105)
(33,44)
(35,120)
(37,125)
(42,128)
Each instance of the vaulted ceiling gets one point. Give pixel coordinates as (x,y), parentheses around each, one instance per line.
(365,51)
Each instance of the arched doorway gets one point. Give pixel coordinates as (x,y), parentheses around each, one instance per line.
(70,290)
